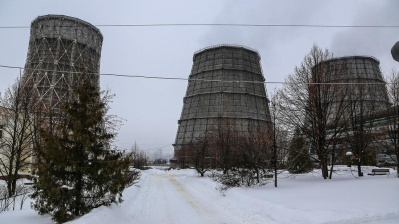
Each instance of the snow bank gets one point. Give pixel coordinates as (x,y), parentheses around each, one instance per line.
(310,199)
(181,196)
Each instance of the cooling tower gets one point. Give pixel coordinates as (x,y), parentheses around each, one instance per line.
(60,49)
(368,86)
(226,81)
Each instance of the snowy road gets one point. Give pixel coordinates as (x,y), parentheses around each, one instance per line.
(181,196)
(174,201)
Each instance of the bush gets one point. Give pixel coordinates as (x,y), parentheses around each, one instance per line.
(240,177)
(298,157)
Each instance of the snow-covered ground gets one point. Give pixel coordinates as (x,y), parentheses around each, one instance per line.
(181,196)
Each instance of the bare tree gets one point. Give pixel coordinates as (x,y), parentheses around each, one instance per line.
(391,140)
(281,132)
(256,151)
(138,159)
(17,134)
(312,102)
(224,140)
(200,154)
(279,137)
(5,199)
(360,135)
(21,194)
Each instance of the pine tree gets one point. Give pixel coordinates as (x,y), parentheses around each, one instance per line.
(77,170)
(298,157)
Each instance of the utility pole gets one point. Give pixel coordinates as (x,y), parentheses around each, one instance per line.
(274,144)
(275,155)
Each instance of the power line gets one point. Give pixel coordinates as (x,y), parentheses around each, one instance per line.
(204,80)
(134,76)
(226,25)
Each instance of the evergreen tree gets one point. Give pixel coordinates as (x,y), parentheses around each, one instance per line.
(77,170)
(298,156)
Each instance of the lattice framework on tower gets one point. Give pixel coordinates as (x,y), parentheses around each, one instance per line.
(60,49)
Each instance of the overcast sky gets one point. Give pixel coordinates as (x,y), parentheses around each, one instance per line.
(151,107)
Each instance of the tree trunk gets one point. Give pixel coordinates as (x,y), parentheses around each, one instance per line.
(359,167)
(397,167)
(324,169)
(332,168)
(78,191)
(332,163)
(9,188)
(14,185)
(10,174)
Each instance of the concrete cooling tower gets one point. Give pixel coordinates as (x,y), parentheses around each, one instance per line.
(364,71)
(226,81)
(60,49)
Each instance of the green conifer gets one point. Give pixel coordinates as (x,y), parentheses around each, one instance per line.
(298,156)
(77,170)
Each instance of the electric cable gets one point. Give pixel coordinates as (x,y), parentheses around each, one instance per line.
(204,80)
(226,25)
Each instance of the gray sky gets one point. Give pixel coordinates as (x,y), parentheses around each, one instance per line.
(150,107)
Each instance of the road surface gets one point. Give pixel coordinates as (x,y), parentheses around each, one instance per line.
(171,197)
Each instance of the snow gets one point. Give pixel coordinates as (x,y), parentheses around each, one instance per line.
(26,215)
(66,187)
(181,196)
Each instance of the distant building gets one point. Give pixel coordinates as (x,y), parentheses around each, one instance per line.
(368,84)
(362,102)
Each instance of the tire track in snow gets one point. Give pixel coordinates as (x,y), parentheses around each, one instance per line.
(184,207)
(152,199)
(200,209)
(209,209)
(172,198)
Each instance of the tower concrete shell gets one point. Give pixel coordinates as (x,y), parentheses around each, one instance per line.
(226,81)
(364,72)
(60,49)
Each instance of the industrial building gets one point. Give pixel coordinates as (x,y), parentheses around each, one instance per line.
(226,82)
(359,102)
(60,49)
(368,85)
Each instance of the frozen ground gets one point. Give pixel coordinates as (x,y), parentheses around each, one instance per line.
(180,196)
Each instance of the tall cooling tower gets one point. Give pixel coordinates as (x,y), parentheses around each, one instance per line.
(364,71)
(60,49)
(226,81)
